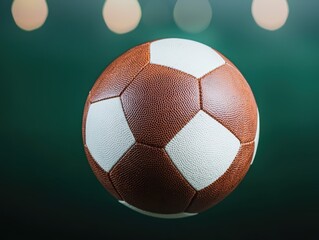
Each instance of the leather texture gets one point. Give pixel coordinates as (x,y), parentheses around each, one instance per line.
(187,56)
(159,102)
(116,77)
(101,174)
(217,191)
(203,150)
(147,179)
(169,138)
(108,135)
(227,97)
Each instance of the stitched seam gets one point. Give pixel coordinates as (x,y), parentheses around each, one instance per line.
(134,78)
(149,145)
(212,71)
(106,98)
(222,124)
(195,191)
(109,173)
(200,93)
(190,202)
(247,143)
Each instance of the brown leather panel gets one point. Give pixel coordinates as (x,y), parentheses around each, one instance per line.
(117,76)
(159,102)
(101,175)
(147,179)
(227,97)
(218,190)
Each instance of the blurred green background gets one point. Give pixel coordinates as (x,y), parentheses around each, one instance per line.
(48,190)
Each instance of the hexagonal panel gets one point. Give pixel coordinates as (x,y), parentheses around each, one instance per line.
(107,134)
(188,56)
(203,150)
(159,102)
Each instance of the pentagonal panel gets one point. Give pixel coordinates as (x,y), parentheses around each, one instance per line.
(120,73)
(203,150)
(101,174)
(159,102)
(218,190)
(188,56)
(147,179)
(228,98)
(107,133)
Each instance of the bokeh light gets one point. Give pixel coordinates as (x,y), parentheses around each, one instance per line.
(193,16)
(122,16)
(29,14)
(270,14)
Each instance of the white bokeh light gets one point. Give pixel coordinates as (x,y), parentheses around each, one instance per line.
(122,16)
(270,14)
(193,16)
(29,14)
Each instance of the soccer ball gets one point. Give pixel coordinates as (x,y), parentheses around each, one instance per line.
(170,128)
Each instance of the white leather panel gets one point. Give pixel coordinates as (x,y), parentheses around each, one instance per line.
(203,150)
(158,215)
(257,137)
(188,56)
(108,135)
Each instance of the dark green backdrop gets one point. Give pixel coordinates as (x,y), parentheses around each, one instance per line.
(47,186)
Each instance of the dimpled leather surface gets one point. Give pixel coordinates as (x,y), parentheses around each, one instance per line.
(159,100)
